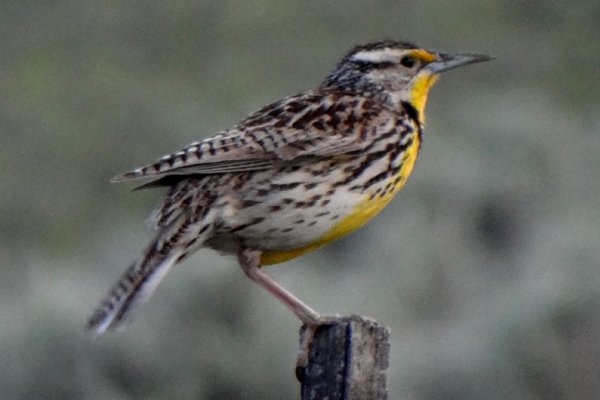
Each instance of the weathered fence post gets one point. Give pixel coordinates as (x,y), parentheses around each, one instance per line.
(347,360)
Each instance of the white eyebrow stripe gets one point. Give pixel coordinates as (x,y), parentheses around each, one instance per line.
(377,56)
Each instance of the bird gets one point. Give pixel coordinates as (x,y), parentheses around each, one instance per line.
(289,178)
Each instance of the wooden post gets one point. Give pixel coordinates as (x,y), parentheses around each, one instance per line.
(346,361)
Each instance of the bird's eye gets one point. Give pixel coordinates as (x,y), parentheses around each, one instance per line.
(408,61)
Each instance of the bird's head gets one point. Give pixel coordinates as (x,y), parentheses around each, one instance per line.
(394,71)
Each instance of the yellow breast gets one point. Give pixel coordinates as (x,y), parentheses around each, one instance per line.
(359,215)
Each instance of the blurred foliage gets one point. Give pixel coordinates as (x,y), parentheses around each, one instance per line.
(485,266)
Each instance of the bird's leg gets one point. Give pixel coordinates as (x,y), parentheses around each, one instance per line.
(250,262)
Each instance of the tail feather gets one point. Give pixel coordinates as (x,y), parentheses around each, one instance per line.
(182,234)
(133,288)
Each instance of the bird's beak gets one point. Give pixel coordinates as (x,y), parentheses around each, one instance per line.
(445,62)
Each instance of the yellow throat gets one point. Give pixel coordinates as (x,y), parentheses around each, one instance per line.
(419,91)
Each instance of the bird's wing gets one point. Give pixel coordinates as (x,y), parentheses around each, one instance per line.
(293,129)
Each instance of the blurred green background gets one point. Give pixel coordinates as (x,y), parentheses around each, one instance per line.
(485,267)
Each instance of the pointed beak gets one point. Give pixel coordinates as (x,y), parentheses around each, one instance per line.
(445,62)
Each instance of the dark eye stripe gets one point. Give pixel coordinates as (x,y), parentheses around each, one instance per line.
(382,64)
(385,64)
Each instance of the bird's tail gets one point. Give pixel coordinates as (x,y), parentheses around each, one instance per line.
(182,229)
(134,287)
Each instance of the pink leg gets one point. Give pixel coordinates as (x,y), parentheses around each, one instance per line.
(250,262)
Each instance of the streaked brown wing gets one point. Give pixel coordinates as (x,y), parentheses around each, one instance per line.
(312,124)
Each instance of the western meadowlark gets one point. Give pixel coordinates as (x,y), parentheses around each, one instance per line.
(291,177)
